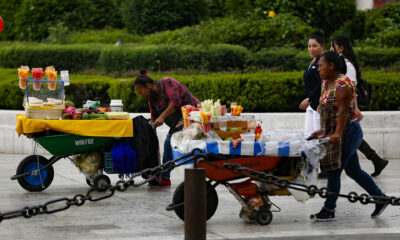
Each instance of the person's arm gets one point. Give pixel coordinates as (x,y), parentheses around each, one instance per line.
(357,111)
(168,111)
(171,92)
(343,98)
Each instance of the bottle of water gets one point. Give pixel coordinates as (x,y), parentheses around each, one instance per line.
(65,77)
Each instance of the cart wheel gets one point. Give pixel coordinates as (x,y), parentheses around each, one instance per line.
(101,182)
(35,182)
(89,182)
(263,216)
(212,201)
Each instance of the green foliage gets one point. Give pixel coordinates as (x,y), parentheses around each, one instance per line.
(390,39)
(384,57)
(285,59)
(257,92)
(70,57)
(322,14)
(149,16)
(7,12)
(213,58)
(374,27)
(165,57)
(104,36)
(251,33)
(34,18)
(216,8)
(385,90)
(84,88)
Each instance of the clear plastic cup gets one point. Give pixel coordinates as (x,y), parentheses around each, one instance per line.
(223,110)
(23,75)
(52,77)
(65,77)
(37,74)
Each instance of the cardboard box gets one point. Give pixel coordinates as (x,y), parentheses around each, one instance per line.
(232,124)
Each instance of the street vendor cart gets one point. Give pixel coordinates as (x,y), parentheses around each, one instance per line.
(64,139)
(284,154)
(87,136)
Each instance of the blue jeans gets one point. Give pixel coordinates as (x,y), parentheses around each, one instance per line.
(352,138)
(167,156)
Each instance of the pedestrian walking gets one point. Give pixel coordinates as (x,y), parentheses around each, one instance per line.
(339,123)
(342,45)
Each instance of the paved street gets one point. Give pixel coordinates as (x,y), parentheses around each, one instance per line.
(139,213)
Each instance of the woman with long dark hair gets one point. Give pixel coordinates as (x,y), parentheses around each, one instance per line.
(342,45)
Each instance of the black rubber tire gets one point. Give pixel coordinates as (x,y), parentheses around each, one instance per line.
(89,182)
(211,204)
(33,183)
(263,216)
(102,182)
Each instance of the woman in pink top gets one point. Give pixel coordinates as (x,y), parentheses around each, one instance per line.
(165,98)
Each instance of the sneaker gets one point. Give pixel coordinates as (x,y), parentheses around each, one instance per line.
(323,216)
(379,208)
(379,166)
(162,183)
(165,183)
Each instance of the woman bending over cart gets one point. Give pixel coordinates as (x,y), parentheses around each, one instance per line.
(165,98)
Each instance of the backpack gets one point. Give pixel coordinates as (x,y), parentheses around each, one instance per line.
(363,91)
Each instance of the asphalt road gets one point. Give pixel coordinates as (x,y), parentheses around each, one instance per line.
(139,213)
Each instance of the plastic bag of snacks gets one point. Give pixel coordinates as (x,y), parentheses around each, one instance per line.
(88,163)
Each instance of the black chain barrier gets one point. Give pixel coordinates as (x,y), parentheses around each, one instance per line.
(52,206)
(311,190)
(122,185)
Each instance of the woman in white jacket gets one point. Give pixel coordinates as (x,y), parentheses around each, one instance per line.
(342,45)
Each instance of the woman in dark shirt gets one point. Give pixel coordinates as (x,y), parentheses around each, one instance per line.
(165,98)
(312,84)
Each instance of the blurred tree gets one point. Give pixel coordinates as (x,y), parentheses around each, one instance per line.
(7,12)
(149,16)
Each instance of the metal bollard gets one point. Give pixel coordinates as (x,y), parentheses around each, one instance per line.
(195,204)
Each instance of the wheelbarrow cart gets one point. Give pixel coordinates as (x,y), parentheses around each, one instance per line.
(66,138)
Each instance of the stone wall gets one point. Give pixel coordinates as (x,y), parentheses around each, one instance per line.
(381,131)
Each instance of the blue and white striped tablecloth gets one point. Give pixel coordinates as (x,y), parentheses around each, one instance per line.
(290,148)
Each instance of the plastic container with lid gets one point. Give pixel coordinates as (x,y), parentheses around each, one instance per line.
(116,105)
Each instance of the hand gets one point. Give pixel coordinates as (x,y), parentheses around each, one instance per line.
(159,121)
(334,139)
(358,114)
(318,110)
(317,133)
(304,104)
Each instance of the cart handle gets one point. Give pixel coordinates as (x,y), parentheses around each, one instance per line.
(54,159)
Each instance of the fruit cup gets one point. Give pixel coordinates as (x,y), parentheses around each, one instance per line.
(223,110)
(52,77)
(23,74)
(37,74)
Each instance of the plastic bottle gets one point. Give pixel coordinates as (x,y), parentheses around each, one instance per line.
(258,132)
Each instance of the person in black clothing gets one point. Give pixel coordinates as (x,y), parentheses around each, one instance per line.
(312,84)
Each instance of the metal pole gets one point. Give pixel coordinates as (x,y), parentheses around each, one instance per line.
(195,204)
